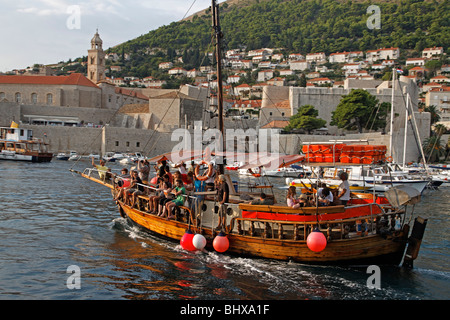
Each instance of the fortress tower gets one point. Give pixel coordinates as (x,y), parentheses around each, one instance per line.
(96,60)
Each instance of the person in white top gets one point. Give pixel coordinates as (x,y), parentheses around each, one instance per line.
(325,196)
(344,189)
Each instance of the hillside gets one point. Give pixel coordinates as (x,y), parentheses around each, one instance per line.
(301,26)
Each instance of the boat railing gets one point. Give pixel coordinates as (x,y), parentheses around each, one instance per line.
(333,229)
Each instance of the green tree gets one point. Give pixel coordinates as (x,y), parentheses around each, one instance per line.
(360,109)
(306,119)
(435,117)
(433,148)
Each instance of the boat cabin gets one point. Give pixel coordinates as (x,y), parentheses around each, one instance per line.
(20,141)
(15,134)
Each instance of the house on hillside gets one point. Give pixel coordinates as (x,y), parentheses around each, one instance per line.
(432,53)
(415,62)
(316,57)
(439,97)
(165,65)
(265,75)
(296,57)
(320,81)
(300,65)
(382,54)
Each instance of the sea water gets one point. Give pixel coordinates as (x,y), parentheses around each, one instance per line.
(52,220)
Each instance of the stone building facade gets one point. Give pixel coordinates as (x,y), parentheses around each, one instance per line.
(279,103)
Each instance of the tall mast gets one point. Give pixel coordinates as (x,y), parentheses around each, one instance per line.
(219,35)
(391,133)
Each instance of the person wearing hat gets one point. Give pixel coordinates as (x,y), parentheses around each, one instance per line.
(303,200)
(344,189)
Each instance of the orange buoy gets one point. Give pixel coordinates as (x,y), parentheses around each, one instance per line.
(186,241)
(316,241)
(221,243)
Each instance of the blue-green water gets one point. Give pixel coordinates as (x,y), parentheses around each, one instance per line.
(51,219)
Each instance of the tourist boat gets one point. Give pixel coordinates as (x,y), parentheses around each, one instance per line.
(369,230)
(20,145)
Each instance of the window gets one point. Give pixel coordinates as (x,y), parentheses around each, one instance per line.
(18,97)
(49,98)
(138,144)
(117,143)
(34,98)
(128,143)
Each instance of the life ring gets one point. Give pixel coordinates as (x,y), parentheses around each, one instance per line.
(207,174)
(389,159)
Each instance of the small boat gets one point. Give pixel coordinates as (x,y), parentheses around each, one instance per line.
(292,171)
(109,157)
(62,156)
(94,156)
(19,145)
(235,166)
(131,158)
(363,177)
(74,156)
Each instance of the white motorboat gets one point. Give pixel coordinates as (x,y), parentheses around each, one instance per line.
(94,156)
(62,156)
(74,156)
(292,171)
(109,157)
(364,178)
(131,158)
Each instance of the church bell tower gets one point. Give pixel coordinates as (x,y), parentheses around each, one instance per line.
(96,60)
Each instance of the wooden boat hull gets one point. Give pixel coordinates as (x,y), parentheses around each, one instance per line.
(371,249)
(29,157)
(360,250)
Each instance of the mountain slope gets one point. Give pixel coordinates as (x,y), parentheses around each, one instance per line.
(309,26)
(300,26)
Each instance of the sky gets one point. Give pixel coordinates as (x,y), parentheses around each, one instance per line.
(50,31)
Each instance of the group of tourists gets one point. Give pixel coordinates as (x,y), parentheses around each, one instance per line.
(166,190)
(323,196)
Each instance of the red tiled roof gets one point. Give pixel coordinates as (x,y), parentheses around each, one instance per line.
(276,124)
(73,79)
(443,88)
